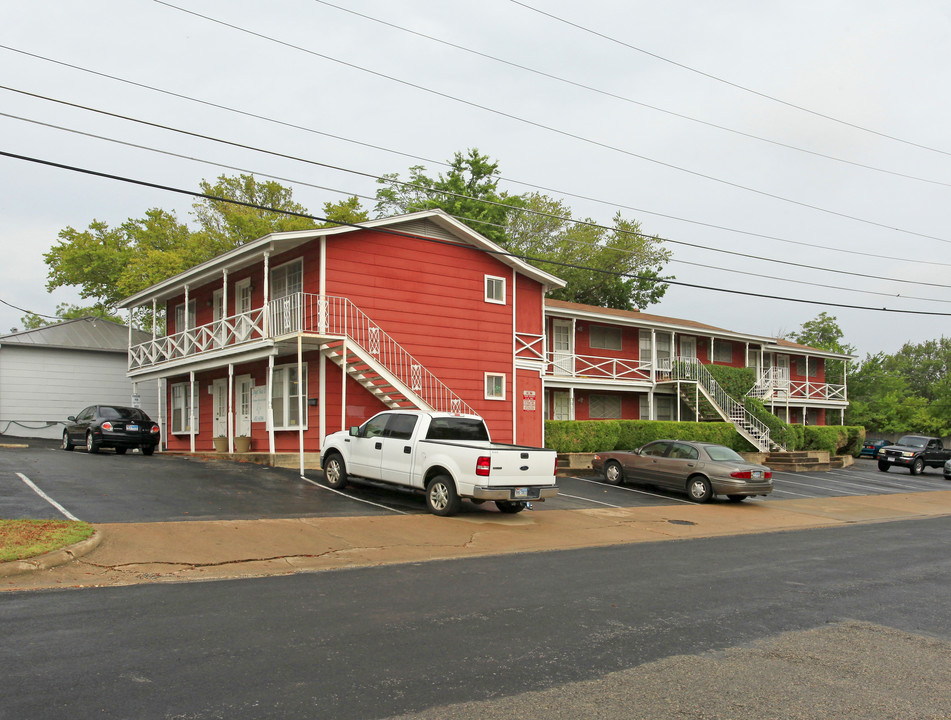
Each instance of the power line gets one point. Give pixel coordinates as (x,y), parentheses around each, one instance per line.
(728,82)
(555,130)
(423,189)
(499,253)
(632,101)
(502,178)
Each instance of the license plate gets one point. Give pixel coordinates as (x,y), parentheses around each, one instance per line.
(891,459)
(757,474)
(132,428)
(521,492)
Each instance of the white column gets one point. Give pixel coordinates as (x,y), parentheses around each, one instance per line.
(160,416)
(321,399)
(270,403)
(154,319)
(322,299)
(230,407)
(301,391)
(343,390)
(267,310)
(191,401)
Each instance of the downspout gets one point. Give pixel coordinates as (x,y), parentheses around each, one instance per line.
(230,407)
(514,367)
(301,389)
(322,293)
(270,403)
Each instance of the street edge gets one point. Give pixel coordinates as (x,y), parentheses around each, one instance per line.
(51,559)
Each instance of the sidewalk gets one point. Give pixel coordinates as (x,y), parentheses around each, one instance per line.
(130,553)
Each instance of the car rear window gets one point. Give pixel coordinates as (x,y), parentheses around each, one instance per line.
(122,413)
(719,453)
(452,428)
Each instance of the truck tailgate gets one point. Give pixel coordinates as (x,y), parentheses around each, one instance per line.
(517,466)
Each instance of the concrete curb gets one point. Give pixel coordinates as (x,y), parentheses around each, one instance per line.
(51,559)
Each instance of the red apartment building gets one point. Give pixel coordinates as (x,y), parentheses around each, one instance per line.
(296,335)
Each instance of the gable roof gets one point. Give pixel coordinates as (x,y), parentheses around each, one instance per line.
(88,333)
(636,317)
(428,224)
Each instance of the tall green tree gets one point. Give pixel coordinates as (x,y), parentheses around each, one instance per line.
(823,332)
(539,228)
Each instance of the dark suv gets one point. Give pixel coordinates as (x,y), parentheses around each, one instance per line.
(111,426)
(915,452)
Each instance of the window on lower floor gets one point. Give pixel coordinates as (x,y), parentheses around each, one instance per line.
(604,407)
(664,407)
(494,386)
(181,409)
(288,393)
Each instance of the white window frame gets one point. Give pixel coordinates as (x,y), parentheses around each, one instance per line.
(180,316)
(606,337)
(281,389)
(493,395)
(280,287)
(493,283)
(178,424)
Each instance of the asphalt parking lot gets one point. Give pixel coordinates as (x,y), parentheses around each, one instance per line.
(42,481)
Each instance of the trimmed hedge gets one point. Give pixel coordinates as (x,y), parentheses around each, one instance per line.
(568,436)
(836,439)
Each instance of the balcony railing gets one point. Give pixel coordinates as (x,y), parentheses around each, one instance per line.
(601,368)
(774,384)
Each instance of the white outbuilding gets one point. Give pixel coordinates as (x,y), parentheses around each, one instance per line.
(51,372)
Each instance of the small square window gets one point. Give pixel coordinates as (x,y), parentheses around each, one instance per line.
(494,386)
(495,289)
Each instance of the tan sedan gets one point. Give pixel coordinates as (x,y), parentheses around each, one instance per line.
(702,470)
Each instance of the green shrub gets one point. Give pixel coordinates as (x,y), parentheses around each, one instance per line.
(736,381)
(567,436)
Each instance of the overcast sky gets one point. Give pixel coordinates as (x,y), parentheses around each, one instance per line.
(797,151)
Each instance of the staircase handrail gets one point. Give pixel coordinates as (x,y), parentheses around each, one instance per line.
(685,368)
(340,317)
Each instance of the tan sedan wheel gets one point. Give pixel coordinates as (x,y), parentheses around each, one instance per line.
(613,473)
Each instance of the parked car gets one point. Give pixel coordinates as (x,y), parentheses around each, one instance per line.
(702,470)
(111,426)
(870,448)
(915,452)
(947,470)
(448,456)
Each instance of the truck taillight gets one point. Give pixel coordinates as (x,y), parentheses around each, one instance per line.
(482,466)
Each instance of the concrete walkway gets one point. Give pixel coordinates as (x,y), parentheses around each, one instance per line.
(129,553)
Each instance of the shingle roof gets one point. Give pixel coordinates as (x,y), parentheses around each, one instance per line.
(88,333)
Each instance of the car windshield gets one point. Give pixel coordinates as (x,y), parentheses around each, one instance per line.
(719,453)
(913,441)
(122,413)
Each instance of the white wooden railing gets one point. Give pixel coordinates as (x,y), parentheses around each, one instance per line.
(774,383)
(590,366)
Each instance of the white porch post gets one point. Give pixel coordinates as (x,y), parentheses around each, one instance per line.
(571,401)
(230,407)
(154,320)
(653,364)
(191,398)
(160,416)
(270,403)
(224,311)
(267,312)
(321,397)
(301,390)
(322,299)
(696,401)
(650,404)
(343,389)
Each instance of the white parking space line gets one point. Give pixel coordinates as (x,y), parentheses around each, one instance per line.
(866,488)
(576,497)
(635,490)
(777,491)
(46,497)
(817,486)
(351,497)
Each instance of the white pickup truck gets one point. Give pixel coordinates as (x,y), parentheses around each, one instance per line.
(449,456)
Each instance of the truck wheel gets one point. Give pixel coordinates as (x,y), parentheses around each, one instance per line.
(613,473)
(335,472)
(510,506)
(883,466)
(441,496)
(917,467)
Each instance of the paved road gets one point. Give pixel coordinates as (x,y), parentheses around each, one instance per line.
(845,622)
(108,488)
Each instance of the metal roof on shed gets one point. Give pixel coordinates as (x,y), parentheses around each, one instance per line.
(88,333)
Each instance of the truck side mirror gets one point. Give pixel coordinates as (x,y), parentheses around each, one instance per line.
(354,431)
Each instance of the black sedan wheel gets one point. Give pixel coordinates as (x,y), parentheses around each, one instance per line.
(91,445)
(67,445)
(699,489)
(613,473)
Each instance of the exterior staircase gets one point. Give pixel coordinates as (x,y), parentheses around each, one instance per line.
(746,424)
(381,365)
(796,462)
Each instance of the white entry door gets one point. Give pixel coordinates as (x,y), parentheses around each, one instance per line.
(219,392)
(244,387)
(782,373)
(688,347)
(242,309)
(562,348)
(560,406)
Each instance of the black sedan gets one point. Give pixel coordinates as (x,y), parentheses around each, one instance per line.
(111,426)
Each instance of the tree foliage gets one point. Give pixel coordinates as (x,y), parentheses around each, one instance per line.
(823,332)
(592,259)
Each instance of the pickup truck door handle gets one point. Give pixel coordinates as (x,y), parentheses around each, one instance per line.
(407,449)
(378,446)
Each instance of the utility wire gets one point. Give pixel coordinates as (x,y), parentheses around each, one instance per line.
(29,312)
(433,190)
(431,161)
(728,82)
(553,129)
(498,253)
(632,101)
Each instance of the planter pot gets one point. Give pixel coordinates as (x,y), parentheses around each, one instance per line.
(221,444)
(242,444)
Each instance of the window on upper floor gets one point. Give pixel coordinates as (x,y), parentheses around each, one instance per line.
(495,289)
(605,337)
(287,279)
(722,351)
(604,407)
(180,316)
(801,368)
